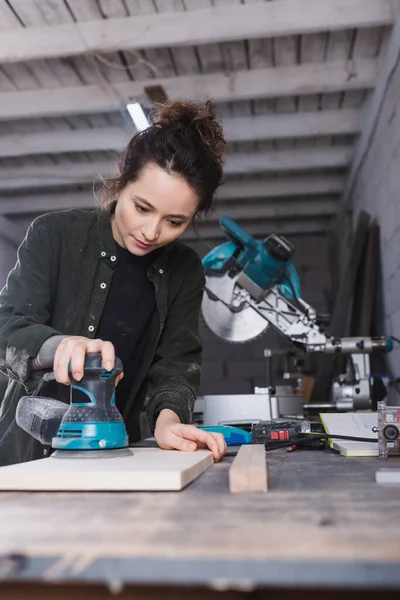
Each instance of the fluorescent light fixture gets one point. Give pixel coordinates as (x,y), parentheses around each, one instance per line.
(137,115)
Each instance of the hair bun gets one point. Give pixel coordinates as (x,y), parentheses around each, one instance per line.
(200,117)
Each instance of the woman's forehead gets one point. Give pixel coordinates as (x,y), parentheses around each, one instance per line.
(166,192)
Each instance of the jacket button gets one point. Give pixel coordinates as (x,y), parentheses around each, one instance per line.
(161,271)
(103,286)
(113,258)
(91,328)
(103,254)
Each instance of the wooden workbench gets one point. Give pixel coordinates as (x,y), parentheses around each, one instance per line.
(324,524)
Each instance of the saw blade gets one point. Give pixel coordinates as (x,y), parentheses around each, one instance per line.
(237,327)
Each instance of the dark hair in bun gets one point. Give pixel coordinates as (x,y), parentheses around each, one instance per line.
(185,139)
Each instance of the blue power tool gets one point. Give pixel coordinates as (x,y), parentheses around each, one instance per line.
(265,262)
(91,424)
(245,263)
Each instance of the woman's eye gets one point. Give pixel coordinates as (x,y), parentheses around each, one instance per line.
(175,223)
(141,209)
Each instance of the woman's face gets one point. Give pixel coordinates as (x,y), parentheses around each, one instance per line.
(153,211)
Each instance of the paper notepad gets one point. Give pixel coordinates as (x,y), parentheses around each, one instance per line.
(358,424)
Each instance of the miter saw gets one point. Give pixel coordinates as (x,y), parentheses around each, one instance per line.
(251,285)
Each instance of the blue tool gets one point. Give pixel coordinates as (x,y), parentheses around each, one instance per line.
(265,262)
(91,422)
(234,436)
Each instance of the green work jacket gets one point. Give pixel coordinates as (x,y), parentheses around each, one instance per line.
(59,286)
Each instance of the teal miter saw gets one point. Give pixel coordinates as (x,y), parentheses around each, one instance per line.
(252,284)
(89,426)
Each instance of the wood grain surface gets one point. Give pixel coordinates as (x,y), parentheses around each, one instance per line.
(248,472)
(147,469)
(324,520)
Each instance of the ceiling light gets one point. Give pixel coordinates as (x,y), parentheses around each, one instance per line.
(138,116)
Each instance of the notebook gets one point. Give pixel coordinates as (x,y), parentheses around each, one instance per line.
(358,424)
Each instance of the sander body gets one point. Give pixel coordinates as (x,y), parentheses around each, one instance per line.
(90,423)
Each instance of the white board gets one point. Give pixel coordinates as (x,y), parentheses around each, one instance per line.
(147,469)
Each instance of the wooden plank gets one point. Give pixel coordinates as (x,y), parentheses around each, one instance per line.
(245,85)
(284,54)
(311,50)
(257,227)
(184,59)
(239,163)
(236,129)
(147,469)
(249,210)
(248,472)
(344,531)
(163,30)
(53,73)
(260,56)
(237,190)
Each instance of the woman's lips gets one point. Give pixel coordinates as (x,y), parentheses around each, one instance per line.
(142,244)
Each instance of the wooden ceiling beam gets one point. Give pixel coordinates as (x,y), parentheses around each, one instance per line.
(239,129)
(245,210)
(63,174)
(210,25)
(290,187)
(271,82)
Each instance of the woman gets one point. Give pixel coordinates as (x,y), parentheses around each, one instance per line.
(117,281)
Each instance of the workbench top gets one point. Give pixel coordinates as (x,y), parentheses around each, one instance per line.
(324,522)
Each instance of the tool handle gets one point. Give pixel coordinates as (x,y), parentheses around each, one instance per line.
(236,233)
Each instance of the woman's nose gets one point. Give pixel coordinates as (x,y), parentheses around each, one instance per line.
(151,231)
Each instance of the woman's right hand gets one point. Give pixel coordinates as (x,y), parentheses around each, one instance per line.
(73,349)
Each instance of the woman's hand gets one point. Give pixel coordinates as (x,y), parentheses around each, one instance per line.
(171,434)
(74,349)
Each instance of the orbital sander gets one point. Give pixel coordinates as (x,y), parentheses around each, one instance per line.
(89,426)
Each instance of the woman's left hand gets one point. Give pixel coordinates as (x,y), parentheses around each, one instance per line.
(171,434)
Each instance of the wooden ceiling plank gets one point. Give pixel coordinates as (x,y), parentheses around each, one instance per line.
(86,172)
(245,85)
(240,22)
(37,136)
(263,189)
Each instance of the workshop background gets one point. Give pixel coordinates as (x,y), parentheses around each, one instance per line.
(308,93)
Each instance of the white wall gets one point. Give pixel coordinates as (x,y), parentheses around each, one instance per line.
(376,189)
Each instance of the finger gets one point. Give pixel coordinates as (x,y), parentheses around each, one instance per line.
(78,360)
(176,442)
(108,355)
(59,351)
(61,367)
(94,345)
(120,376)
(221,443)
(190,432)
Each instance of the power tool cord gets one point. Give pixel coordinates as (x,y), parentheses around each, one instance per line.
(328,436)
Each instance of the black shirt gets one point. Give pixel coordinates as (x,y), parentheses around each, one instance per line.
(126,316)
